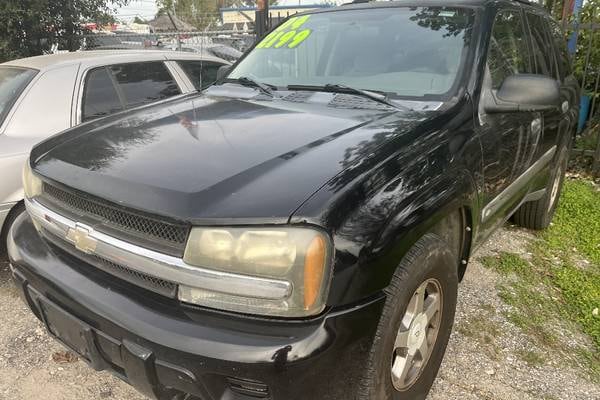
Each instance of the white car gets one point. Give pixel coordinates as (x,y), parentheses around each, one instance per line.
(41,96)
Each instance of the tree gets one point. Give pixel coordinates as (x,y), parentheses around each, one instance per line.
(201,13)
(587,59)
(586,62)
(31,27)
(555,7)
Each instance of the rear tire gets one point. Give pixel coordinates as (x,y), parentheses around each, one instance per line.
(538,214)
(12,216)
(429,268)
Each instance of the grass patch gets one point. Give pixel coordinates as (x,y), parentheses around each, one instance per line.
(576,233)
(587,142)
(531,310)
(576,223)
(553,295)
(506,263)
(532,358)
(479,326)
(581,291)
(482,328)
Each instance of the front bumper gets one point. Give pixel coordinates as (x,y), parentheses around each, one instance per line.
(166,349)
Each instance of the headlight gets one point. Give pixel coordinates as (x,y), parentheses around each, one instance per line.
(32,185)
(296,257)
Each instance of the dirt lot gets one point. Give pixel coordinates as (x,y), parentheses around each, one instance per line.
(488,356)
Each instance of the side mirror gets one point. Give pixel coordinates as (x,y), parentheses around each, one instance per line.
(222,72)
(524,92)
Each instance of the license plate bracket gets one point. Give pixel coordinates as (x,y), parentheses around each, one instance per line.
(71,332)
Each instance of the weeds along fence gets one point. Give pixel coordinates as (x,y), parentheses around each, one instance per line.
(586,65)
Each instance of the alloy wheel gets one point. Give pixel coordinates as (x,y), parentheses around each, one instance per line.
(417,334)
(555,188)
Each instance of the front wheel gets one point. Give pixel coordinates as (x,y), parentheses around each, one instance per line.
(415,325)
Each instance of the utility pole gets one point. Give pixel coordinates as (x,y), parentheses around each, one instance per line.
(176,29)
(262,18)
(573,7)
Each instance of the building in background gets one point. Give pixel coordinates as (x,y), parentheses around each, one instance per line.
(166,23)
(242,18)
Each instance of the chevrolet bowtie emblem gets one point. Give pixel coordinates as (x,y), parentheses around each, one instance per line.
(80,237)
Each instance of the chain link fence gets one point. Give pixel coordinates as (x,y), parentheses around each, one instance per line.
(229,41)
(228,45)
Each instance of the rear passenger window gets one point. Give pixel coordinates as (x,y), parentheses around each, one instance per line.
(202,74)
(143,83)
(542,47)
(508,53)
(117,87)
(100,97)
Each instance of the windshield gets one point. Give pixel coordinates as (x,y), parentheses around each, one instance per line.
(402,51)
(12,82)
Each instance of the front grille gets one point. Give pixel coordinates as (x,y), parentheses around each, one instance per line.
(137,278)
(153,233)
(149,282)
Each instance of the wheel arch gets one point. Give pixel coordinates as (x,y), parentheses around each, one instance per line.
(446,209)
(12,214)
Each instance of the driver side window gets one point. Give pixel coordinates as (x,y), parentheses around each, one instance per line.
(508,53)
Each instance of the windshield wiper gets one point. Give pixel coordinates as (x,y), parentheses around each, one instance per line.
(339,88)
(247,81)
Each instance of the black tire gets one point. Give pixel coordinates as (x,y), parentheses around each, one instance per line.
(429,258)
(538,214)
(12,216)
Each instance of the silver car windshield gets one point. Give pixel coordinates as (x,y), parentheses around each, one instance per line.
(403,51)
(13,81)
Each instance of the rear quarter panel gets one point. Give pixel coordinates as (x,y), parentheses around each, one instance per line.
(45,108)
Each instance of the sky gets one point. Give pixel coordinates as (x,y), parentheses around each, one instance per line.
(146,9)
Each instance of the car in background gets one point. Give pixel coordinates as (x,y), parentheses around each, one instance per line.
(122,40)
(41,96)
(217,50)
(142,41)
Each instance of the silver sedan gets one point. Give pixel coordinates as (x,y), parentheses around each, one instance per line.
(41,96)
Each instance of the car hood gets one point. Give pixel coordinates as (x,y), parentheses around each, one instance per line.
(217,158)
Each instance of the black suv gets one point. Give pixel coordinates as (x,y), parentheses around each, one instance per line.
(298,231)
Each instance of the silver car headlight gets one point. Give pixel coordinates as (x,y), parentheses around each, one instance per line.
(269,259)
(32,184)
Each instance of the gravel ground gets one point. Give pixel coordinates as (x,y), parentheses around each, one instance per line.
(476,367)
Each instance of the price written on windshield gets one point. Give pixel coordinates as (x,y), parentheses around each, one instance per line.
(288,35)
